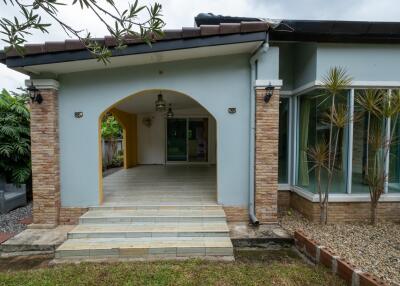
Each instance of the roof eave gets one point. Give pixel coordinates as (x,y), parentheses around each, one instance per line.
(142,48)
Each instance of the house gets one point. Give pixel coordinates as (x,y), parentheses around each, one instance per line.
(243,112)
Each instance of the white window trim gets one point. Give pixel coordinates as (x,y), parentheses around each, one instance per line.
(344,198)
(359,84)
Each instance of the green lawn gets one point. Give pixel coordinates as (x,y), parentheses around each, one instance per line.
(248,269)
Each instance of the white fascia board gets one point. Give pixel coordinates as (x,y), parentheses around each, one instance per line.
(263,83)
(43,83)
(346,198)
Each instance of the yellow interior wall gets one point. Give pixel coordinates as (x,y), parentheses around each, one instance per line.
(101,193)
(129,124)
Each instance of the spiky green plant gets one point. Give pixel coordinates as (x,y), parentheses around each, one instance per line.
(333,83)
(15,145)
(318,155)
(382,105)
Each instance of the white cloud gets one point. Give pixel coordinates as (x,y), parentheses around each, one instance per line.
(178,13)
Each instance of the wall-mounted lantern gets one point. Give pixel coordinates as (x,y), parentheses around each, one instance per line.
(34,94)
(269,93)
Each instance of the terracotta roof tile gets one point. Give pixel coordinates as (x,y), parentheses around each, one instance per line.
(191,32)
(110,41)
(51,47)
(209,30)
(172,34)
(132,40)
(230,28)
(246,27)
(187,32)
(12,53)
(71,45)
(35,48)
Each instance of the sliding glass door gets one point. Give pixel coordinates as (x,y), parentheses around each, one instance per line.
(187,140)
(177,139)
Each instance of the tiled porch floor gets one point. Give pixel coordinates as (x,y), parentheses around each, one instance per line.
(161,185)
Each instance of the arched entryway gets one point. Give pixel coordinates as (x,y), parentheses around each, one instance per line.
(169,155)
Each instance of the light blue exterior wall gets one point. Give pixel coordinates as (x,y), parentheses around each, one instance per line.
(297,64)
(364,62)
(216,83)
(268,64)
(304,64)
(286,60)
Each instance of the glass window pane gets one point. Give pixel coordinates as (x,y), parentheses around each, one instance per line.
(363,153)
(313,130)
(283,141)
(394,155)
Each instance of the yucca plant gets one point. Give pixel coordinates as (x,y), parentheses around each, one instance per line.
(319,158)
(333,83)
(381,105)
(15,147)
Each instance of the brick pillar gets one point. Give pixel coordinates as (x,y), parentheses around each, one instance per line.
(45,155)
(266,157)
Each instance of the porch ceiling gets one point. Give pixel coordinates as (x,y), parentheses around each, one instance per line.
(144,102)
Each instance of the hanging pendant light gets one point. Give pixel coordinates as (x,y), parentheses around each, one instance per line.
(170,113)
(160,103)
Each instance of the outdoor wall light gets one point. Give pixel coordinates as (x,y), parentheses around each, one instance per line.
(34,94)
(160,103)
(170,113)
(269,92)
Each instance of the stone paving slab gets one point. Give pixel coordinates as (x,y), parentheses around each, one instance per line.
(191,246)
(4,236)
(31,240)
(149,230)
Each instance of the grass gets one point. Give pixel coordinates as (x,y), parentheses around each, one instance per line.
(248,269)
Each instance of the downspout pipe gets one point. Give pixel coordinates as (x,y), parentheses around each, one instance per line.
(253,62)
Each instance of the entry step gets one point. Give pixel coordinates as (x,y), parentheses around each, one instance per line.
(127,216)
(145,247)
(150,230)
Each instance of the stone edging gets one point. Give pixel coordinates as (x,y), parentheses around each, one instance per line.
(325,256)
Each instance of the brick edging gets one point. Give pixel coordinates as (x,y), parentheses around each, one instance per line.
(322,255)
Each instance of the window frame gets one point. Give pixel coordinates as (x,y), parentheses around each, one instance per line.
(294,121)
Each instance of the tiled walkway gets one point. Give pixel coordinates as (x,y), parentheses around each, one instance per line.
(161,185)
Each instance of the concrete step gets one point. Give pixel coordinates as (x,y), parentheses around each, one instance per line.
(129,206)
(162,247)
(146,232)
(150,230)
(149,215)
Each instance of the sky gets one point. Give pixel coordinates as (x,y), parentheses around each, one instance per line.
(181,13)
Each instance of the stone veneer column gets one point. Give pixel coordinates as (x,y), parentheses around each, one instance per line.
(266,157)
(45,155)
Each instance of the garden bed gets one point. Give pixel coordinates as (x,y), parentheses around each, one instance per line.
(12,222)
(373,249)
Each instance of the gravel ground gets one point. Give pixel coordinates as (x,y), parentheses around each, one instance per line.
(10,222)
(373,249)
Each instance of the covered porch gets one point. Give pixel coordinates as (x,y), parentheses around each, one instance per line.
(162,185)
